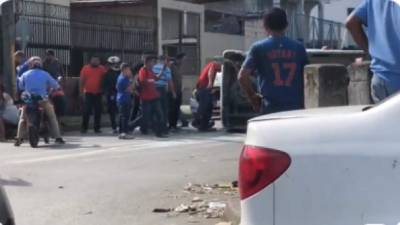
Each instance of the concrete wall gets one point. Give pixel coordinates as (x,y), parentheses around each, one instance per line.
(254,31)
(216,43)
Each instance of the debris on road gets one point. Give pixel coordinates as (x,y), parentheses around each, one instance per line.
(224,223)
(182,208)
(226,188)
(211,204)
(161,210)
(197,199)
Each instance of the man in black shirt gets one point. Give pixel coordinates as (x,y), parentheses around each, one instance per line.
(109,88)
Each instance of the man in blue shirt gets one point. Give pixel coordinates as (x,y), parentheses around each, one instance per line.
(374,26)
(164,85)
(278,63)
(38,82)
(124,100)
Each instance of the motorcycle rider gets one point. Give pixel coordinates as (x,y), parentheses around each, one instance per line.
(38,82)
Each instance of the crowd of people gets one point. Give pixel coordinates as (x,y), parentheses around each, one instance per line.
(147,95)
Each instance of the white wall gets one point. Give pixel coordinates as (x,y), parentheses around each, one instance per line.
(254,30)
(337,10)
(216,43)
(182,6)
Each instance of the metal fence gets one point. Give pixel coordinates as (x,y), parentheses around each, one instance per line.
(76,33)
(316,32)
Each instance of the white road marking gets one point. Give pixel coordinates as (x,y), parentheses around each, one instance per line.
(119,148)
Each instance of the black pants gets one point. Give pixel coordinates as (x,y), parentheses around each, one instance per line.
(174,109)
(135,108)
(124,114)
(92,103)
(112,110)
(59,103)
(204,113)
(152,116)
(164,107)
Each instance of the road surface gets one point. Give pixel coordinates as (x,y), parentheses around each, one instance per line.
(104,181)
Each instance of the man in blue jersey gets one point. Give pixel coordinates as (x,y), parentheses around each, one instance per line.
(381,38)
(278,62)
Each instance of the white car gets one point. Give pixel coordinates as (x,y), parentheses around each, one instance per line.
(328,166)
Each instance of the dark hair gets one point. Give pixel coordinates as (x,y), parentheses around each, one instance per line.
(124,66)
(150,58)
(137,67)
(276,19)
(50,52)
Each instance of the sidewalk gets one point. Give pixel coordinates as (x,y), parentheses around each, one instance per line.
(74,122)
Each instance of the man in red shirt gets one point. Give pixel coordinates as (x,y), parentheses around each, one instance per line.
(151,105)
(92,76)
(205,85)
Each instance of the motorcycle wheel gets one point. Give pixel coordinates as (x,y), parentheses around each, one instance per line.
(33,137)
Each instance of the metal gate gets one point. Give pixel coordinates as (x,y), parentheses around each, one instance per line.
(77,33)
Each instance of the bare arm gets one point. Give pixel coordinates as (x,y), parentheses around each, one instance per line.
(355,27)
(211,78)
(245,84)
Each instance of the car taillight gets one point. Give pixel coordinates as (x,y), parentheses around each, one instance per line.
(259,167)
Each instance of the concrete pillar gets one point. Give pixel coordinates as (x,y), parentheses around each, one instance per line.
(360,84)
(325,85)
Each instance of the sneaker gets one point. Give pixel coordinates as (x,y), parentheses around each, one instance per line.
(98,132)
(60,141)
(124,136)
(18,142)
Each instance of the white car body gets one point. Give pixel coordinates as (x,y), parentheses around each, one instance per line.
(344,170)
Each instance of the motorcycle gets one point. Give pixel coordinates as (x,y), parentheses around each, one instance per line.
(37,122)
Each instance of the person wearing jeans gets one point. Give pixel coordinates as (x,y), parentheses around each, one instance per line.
(91,79)
(151,108)
(165,87)
(124,100)
(205,85)
(374,27)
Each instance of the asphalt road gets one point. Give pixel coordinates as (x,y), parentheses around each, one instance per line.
(105,181)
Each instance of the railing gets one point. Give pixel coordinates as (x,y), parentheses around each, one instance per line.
(316,32)
(68,29)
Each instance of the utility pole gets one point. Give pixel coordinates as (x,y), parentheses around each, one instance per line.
(8,32)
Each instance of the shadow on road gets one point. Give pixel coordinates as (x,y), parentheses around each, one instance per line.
(14,182)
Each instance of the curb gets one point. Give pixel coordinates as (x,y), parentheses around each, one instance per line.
(232,211)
